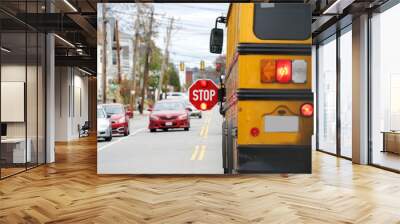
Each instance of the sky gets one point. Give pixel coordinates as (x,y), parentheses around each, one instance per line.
(190,39)
(191,33)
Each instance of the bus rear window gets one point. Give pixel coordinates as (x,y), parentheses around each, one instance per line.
(283,21)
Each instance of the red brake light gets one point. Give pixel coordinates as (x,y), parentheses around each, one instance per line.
(284,71)
(254,132)
(307,110)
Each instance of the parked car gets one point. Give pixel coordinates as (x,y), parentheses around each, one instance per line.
(104,128)
(193,111)
(119,118)
(168,114)
(129,111)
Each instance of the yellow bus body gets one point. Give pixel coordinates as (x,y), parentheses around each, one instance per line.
(249,101)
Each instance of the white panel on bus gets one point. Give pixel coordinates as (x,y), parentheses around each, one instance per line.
(281,123)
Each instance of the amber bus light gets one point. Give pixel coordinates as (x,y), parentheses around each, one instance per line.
(268,70)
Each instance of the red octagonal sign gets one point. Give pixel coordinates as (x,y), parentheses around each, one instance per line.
(203,94)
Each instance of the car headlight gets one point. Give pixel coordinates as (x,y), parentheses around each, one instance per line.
(121,120)
(183,117)
(154,117)
(102,126)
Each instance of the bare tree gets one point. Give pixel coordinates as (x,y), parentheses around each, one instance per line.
(147,60)
(118,52)
(164,66)
(136,56)
(104,61)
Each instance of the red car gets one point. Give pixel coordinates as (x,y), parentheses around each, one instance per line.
(129,111)
(168,114)
(119,118)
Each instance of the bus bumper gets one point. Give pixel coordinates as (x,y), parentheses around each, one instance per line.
(274,159)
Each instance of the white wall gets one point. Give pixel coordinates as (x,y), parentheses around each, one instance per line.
(13,73)
(80,109)
(71,102)
(50,95)
(61,103)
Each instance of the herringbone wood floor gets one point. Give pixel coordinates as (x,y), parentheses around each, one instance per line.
(70,191)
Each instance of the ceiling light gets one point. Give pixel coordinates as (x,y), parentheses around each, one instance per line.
(337,7)
(84,71)
(70,5)
(64,40)
(5,50)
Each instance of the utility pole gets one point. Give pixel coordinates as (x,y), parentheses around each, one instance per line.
(135,60)
(147,61)
(202,69)
(118,52)
(104,61)
(164,65)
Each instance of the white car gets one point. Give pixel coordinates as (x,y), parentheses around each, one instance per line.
(193,111)
(104,129)
(175,96)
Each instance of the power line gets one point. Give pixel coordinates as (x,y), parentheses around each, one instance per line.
(196,7)
(163,19)
(191,56)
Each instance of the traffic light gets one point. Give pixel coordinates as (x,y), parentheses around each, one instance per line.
(202,65)
(182,66)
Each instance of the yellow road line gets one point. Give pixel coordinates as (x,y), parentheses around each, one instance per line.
(202,152)
(195,152)
(202,131)
(203,128)
(206,131)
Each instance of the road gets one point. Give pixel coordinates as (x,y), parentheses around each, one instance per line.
(197,151)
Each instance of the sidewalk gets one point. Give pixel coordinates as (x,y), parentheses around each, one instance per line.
(145,113)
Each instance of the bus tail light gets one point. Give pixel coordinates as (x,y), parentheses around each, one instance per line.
(254,132)
(268,71)
(283,71)
(307,110)
(299,68)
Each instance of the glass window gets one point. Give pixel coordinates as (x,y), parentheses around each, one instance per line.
(327,96)
(113,109)
(294,27)
(22,91)
(168,106)
(15,149)
(385,84)
(101,113)
(346,94)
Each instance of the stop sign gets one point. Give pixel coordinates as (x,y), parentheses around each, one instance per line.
(203,94)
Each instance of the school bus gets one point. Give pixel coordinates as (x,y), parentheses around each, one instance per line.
(267,96)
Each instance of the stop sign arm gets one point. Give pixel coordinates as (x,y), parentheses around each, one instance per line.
(203,94)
